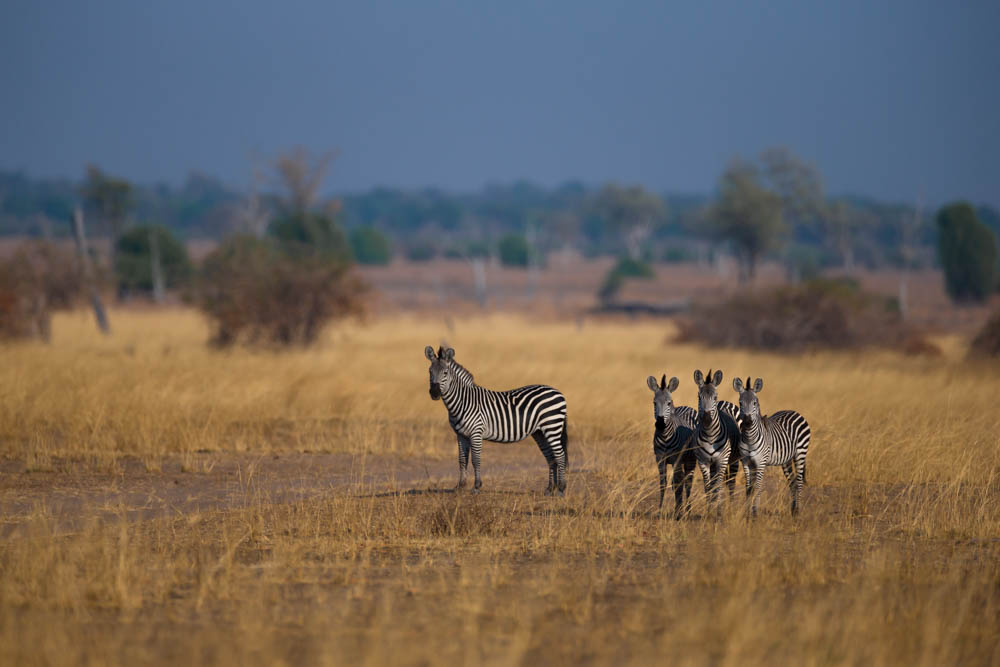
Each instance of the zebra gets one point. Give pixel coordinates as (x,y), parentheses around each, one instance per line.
(781,439)
(476,414)
(716,438)
(672,442)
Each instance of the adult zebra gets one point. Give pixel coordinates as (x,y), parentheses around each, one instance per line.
(716,439)
(476,414)
(672,442)
(781,439)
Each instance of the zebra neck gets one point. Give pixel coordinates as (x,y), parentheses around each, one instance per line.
(457,394)
(713,424)
(668,428)
(753,429)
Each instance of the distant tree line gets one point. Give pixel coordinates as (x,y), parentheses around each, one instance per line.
(773,207)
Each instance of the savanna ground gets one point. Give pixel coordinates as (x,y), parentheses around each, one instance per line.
(161,501)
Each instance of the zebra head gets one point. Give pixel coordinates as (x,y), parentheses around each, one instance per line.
(663,400)
(749,405)
(708,394)
(441,370)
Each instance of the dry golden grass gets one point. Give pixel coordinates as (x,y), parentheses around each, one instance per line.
(895,559)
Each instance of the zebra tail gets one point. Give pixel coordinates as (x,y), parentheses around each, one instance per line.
(565,443)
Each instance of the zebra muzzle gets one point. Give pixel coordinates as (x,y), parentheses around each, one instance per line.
(435,391)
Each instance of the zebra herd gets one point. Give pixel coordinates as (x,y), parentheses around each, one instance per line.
(717,438)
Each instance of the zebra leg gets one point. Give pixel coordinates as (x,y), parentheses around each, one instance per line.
(661,466)
(463,459)
(543,445)
(731,471)
(678,482)
(688,483)
(476,442)
(706,476)
(718,475)
(758,480)
(793,484)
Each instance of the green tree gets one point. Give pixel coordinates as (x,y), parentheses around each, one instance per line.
(748,215)
(134,259)
(514,250)
(631,213)
(968,253)
(308,233)
(370,246)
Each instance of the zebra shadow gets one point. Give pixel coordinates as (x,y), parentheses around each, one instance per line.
(436,491)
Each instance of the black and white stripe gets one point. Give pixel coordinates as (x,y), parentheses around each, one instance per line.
(478,414)
(672,442)
(780,439)
(716,437)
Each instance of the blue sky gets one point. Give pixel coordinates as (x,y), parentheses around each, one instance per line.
(889,99)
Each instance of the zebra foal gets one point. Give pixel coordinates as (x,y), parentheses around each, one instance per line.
(672,442)
(780,439)
(476,414)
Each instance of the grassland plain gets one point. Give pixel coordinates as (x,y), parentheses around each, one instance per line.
(895,559)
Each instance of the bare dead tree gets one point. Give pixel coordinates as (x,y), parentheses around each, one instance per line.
(88,272)
(156,267)
(906,231)
(301,177)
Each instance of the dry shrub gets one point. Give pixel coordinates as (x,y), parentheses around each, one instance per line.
(37,280)
(822,313)
(258,292)
(460,517)
(987,341)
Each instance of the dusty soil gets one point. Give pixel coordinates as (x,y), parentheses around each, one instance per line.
(73,491)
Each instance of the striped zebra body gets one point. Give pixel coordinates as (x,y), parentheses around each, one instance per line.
(672,442)
(477,414)
(780,439)
(716,438)
(672,446)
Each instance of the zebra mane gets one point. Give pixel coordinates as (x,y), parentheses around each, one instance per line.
(462,372)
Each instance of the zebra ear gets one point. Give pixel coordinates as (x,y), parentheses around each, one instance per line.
(429,353)
(651,383)
(673,385)
(699,378)
(738,385)
(758,385)
(449,354)
(717,379)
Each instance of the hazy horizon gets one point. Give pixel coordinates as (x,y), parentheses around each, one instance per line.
(891,102)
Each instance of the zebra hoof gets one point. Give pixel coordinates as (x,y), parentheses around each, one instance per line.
(476,490)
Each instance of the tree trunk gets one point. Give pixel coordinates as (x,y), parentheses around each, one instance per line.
(88,272)
(159,289)
(479,276)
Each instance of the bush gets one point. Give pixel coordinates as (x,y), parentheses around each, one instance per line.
(987,341)
(37,280)
(816,314)
(370,246)
(678,255)
(311,234)
(421,252)
(514,250)
(968,253)
(266,292)
(610,287)
(134,260)
(633,268)
(615,277)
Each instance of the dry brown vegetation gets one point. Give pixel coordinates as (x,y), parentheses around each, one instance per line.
(895,559)
(819,314)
